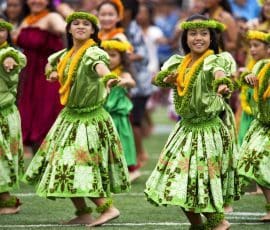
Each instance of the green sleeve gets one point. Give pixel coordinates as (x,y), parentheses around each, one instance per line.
(94,55)
(223,62)
(55,57)
(168,67)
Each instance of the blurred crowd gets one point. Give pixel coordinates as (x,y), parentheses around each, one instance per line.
(156,21)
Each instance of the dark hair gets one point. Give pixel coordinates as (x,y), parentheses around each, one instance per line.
(150,10)
(213,35)
(224,4)
(9,40)
(94,36)
(25,11)
(131,5)
(118,24)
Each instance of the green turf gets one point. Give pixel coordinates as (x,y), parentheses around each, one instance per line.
(134,208)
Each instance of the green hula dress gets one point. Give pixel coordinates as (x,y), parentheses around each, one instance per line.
(119,106)
(81,156)
(196,169)
(11,148)
(254,161)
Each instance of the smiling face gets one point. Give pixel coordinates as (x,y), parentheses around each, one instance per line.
(258,49)
(198,40)
(108,16)
(36,6)
(81,29)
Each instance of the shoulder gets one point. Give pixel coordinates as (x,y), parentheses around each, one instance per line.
(95,54)
(259,65)
(172,62)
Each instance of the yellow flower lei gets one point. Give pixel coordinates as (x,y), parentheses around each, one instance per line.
(244,89)
(4,45)
(258,35)
(121,46)
(183,79)
(118,70)
(66,83)
(261,76)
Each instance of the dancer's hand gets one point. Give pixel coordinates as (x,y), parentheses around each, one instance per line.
(9,64)
(53,76)
(171,78)
(251,79)
(111,83)
(223,89)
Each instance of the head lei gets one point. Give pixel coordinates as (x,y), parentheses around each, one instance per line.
(258,35)
(213,24)
(6,25)
(82,15)
(260,2)
(119,6)
(121,46)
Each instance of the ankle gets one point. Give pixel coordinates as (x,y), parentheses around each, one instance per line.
(104,207)
(213,220)
(197,227)
(83,211)
(12,201)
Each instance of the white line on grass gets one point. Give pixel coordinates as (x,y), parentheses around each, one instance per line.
(114,224)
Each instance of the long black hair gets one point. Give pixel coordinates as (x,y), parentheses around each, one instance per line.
(213,35)
(94,36)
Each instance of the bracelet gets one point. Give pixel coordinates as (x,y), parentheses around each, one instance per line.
(102,208)
(11,54)
(108,77)
(13,201)
(49,71)
(158,80)
(243,78)
(224,80)
(84,210)
(213,220)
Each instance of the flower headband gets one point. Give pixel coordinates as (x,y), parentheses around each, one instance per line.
(202,24)
(119,6)
(82,15)
(121,46)
(258,35)
(6,25)
(260,2)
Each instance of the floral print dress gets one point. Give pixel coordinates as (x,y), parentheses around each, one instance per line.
(81,156)
(196,169)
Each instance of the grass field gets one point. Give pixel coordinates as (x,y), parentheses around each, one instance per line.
(136,213)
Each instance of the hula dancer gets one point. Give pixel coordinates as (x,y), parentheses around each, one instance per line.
(259,50)
(11,149)
(81,155)
(254,158)
(195,169)
(118,103)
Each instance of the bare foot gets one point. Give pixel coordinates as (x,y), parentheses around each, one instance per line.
(224,225)
(9,210)
(82,219)
(266,218)
(110,214)
(228,209)
(134,175)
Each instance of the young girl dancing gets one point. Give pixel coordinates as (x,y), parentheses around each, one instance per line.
(195,169)
(82,155)
(118,103)
(254,157)
(11,149)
